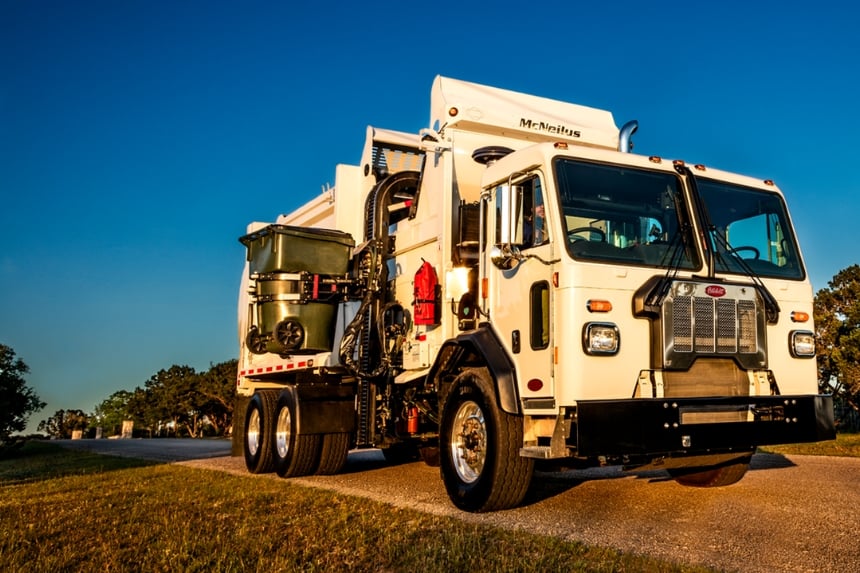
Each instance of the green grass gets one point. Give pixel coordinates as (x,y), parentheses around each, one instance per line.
(845,445)
(65,510)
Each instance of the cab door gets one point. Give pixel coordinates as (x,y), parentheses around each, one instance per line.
(519,266)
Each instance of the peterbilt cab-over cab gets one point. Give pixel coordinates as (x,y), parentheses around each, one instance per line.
(513,285)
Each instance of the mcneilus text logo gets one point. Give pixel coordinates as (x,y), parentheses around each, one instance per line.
(559,129)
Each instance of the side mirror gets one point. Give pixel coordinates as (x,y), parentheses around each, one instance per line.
(509,202)
(505,256)
(511,212)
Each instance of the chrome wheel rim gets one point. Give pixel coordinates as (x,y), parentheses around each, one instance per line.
(253,432)
(283,432)
(469,442)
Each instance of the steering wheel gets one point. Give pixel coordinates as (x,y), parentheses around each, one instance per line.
(753,250)
(573,234)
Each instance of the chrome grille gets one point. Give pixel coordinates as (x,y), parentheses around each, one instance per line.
(747,335)
(682,331)
(708,325)
(727,322)
(703,324)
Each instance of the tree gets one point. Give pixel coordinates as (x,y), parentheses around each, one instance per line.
(837,324)
(218,386)
(172,400)
(17,400)
(63,423)
(140,409)
(112,412)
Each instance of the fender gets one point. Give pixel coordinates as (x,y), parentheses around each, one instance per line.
(482,344)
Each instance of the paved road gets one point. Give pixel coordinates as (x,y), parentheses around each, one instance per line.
(160,450)
(793,514)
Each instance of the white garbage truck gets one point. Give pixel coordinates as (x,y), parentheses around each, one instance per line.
(513,286)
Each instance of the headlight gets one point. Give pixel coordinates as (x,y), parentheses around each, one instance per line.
(802,344)
(600,338)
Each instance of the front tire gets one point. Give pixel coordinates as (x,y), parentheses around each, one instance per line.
(259,432)
(295,454)
(479,447)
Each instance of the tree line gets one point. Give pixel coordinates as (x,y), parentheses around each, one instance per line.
(178,401)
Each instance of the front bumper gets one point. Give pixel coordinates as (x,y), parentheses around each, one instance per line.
(695,426)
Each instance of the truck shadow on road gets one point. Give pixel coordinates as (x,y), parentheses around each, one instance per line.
(548,483)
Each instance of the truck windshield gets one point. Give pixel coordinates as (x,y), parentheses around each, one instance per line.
(752,225)
(620,214)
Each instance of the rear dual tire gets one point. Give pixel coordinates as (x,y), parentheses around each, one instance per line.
(259,432)
(295,454)
(272,442)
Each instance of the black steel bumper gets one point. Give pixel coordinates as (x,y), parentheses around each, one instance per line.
(691,426)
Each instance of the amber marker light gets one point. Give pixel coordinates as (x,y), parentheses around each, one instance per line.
(453,111)
(769,182)
(655,159)
(485,288)
(560,145)
(699,167)
(598,306)
(678,163)
(799,316)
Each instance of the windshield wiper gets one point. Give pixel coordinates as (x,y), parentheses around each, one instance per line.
(675,255)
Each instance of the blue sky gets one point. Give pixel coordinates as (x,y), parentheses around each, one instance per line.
(138,138)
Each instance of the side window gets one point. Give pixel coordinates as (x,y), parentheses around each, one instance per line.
(535,230)
(539,316)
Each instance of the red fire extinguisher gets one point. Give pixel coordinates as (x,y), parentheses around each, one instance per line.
(426,285)
(412,420)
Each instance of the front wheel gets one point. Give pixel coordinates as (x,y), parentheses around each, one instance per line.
(479,448)
(713,477)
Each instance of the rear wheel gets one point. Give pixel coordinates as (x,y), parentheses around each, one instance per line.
(333,453)
(259,424)
(479,448)
(295,454)
(712,477)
